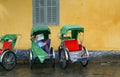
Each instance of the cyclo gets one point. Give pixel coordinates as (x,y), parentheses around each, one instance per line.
(37,52)
(8,58)
(71,49)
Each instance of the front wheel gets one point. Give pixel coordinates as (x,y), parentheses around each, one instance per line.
(9,60)
(63,61)
(52,63)
(84,62)
(52,57)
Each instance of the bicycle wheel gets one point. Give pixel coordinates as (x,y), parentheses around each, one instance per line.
(9,60)
(63,61)
(84,62)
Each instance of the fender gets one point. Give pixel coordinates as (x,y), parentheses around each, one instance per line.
(86,51)
(66,54)
(53,54)
(30,54)
(3,55)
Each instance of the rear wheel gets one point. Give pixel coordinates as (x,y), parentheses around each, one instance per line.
(53,63)
(63,61)
(9,60)
(84,62)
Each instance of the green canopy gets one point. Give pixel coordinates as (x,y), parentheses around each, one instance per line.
(39,29)
(37,51)
(75,29)
(8,37)
(66,28)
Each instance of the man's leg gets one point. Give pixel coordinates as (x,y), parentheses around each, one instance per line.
(47,46)
(48,42)
(47,49)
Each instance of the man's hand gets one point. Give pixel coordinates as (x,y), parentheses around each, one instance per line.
(44,43)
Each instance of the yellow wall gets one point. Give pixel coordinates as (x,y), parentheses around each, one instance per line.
(100,18)
(16,17)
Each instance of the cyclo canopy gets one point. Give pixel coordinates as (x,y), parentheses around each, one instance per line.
(75,29)
(37,51)
(7,37)
(40,29)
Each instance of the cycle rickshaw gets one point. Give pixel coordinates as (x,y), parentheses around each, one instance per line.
(71,49)
(36,52)
(8,58)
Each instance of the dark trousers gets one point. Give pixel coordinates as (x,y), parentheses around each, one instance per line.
(47,46)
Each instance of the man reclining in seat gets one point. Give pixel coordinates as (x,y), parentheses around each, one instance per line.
(44,45)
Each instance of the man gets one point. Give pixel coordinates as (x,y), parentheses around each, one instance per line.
(44,45)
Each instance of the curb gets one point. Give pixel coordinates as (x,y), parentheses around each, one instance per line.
(95,56)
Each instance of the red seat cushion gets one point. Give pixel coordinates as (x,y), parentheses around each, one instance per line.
(72,45)
(7,45)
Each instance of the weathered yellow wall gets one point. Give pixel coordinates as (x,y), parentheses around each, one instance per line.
(16,17)
(100,18)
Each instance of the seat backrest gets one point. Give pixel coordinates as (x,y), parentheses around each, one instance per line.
(7,45)
(72,45)
(0,51)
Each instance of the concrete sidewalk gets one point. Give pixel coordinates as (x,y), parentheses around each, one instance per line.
(94,69)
